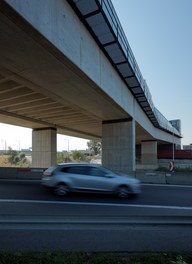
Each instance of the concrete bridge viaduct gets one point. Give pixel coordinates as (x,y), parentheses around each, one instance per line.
(66,67)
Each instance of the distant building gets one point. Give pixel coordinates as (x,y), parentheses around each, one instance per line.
(187,146)
(176,124)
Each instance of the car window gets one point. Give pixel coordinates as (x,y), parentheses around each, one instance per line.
(84,170)
(76,170)
(51,169)
(96,172)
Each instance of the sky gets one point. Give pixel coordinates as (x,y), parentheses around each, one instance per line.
(160,35)
(21,138)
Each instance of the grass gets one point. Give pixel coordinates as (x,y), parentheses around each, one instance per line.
(29,257)
(4,162)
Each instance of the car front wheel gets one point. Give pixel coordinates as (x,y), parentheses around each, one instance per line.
(123,192)
(62,189)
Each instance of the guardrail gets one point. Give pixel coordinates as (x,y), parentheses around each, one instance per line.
(177,178)
(21,173)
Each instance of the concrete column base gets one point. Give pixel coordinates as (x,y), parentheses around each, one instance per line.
(118,145)
(44,147)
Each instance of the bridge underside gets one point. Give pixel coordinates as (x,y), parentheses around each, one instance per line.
(40,87)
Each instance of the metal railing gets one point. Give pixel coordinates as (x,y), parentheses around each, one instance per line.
(113,19)
(163,122)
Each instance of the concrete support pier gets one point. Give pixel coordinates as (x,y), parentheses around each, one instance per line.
(149,153)
(118,145)
(44,147)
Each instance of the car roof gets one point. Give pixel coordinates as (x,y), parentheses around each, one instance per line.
(79,164)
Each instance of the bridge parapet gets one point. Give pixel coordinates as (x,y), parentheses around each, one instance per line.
(103,23)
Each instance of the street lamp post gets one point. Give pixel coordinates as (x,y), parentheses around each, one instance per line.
(171,163)
(18,145)
(173,156)
(67,144)
(67,159)
(5,144)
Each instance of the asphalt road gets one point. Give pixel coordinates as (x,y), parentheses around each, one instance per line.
(32,217)
(34,198)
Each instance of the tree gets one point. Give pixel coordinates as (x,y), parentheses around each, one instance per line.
(14,157)
(63,157)
(78,156)
(94,146)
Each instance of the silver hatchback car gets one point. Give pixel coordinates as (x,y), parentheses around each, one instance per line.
(87,177)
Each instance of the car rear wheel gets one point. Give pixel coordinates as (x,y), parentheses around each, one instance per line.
(62,189)
(123,192)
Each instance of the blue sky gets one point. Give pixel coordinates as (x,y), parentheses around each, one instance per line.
(160,35)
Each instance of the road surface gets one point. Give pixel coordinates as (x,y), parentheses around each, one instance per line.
(32,217)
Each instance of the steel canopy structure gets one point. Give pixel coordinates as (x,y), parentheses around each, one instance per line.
(100,18)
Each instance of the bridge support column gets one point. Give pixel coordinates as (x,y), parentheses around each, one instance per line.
(149,153)
(44,144)
(118,145)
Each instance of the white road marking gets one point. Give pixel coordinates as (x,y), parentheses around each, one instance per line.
(166,185)
(97,204)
